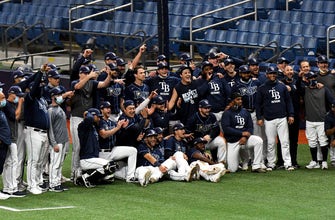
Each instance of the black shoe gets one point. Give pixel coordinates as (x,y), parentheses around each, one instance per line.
(86,182)
(58,188)
(44,187)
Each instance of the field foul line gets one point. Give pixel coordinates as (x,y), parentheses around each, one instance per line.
(36,209)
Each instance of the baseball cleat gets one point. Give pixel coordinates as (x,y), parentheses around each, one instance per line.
(4,196)
(146,178)
(259,170)
(289,168)
(191,173)
(86,182)
(35,191)
(324,165)
(58,188)
(313,165)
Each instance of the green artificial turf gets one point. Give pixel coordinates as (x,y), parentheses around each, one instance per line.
(301,194)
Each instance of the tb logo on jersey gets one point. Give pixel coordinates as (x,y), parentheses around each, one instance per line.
(274,95)
(164,87)
(240,121)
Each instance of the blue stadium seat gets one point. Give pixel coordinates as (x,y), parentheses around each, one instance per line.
(317,6)
(318,18)
(252,39)
(274,28)
(296,17)
(297,40)
(286,29)
(254,26)
(285,41)
(231,37)
(242,38)
(328,19)
(150,7)
(264,27)
(308,30)
(328,6)
(307,5)
(307,18)
(297,29)
(263,39)
(319,31)
(211,35)
(243,25)
(221,36)
(310,43)
(137,18)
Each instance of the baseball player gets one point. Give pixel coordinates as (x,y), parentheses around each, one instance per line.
(208,169)
(316,101)
(12,111)
(204,124)
(83,99)
(152,165)
(138,89)
(274,110)
(37,123)
(58,139)
(237,126)
(5,139)
(330,126)
(89,151)
(108,149)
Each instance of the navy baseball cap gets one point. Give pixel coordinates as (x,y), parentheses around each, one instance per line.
(110,56)
(105,104)
(244,69)
(235,95)
(92,67)
(15,90)
(253,61)
(206,63)
(94,111)
(272,69)
(112,66)
(281,60)
(178,126)
(228,61)
(53,74)
(204,104)
(120,61)
(17,74)
(183,67)
(84,69)
(199,140)
(322,59)
(163,65)
(55,91)
(150,132)
(213,55)
(161,57)
(158,100)
(159,130)
(53,66)
(185,57)
(311,75)
(128,103)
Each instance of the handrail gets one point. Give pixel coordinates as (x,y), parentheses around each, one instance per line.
(133,35)
(219,23)
(86,17)
(39,23)
(290,47)
(4,1)
(16,38)
(256,52)
(330,28)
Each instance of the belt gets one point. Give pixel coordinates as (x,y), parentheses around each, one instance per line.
(251,110)
(105,150)
(35,129)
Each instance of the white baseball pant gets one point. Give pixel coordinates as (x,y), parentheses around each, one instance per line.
(21,152)
(93,164)
(119,153)
(315,134)
(56,164)
(75,165)
(219,143)
(272,128)
(254,142)
(10,170)
(37,151)
(207,171)
(260,132)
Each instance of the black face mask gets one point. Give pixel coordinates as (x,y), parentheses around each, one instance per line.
(288,79)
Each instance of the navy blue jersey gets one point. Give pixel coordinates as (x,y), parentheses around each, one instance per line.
(172,145)
(190,99)
(160,119)
(216,91)
(127,136)
(157,152)
(295,93)
(113,94)
(106,143)
(202,126)
(191,152)
(135,92)
(9,111)
(234,122)
(231,80)
(88,138)
(4,129)
(248,90)
(35,107)
(218,69)
(164,86)
(273,101)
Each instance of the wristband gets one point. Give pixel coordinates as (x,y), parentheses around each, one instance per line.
(157,164)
